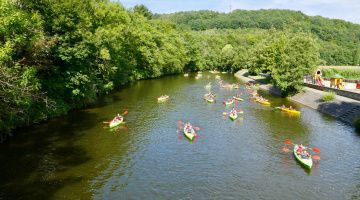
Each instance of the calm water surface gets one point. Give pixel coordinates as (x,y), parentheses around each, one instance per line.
(78,157)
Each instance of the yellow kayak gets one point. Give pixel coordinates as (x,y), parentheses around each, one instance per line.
(263,102)
(289,111)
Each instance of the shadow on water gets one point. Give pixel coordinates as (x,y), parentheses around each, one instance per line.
(32,160)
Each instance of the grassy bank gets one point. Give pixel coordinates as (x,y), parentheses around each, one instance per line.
(348,73)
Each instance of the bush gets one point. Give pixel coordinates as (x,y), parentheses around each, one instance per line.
(328,96)
(357,124)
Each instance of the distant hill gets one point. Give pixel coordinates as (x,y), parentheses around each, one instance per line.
(340,40)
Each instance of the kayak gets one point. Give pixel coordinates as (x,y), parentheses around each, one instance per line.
(115,122)
(209,99)
(233,116)
(210,95)
(263,102)
(288,110)
(238,98)
(189,134)
(231,101)
(163,98)
(307,162)
(208,86)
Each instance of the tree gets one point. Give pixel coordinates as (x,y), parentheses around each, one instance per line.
(296,56)
(143,10)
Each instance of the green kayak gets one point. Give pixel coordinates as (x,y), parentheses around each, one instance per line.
(307,162)
(189,133)
(116,122)
(238,98)
(210,99)
(229,102)
(233,116)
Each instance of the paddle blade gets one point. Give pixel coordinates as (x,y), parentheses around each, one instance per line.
(316,150)
(180,122)
(197,128)
(285,150)
(288,142)
(224,113)
(106,122)
(126,112)
(180,127)
(316,157)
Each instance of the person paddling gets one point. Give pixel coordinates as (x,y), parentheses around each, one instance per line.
(118,117)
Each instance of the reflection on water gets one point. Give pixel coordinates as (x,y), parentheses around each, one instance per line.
(78,157)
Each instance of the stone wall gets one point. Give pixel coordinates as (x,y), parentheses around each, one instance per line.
(344,93)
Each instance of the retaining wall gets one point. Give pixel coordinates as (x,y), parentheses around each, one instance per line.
(344,93)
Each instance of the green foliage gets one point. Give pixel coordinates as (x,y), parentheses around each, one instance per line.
(338,39)
(287,57)
(351,74)
(328,96)
(357,124)
(143,10)
(56,56)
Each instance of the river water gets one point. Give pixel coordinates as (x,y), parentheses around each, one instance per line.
(78,157)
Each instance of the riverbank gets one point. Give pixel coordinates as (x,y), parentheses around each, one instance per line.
(342,108)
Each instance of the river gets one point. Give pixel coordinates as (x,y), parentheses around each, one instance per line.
(78,157)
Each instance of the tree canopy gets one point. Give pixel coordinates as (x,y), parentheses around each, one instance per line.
(338,39)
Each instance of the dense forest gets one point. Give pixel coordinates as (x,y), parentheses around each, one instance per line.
(338,40)
(60,55)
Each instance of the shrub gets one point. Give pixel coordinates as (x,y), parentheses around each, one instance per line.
(328,96)
(357,124)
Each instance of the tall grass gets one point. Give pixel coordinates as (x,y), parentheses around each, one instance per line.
(351,74)
(328,96)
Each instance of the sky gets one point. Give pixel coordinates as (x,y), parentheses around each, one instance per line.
(348,10)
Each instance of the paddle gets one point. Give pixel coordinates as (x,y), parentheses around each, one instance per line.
(288,142)
(314,149)
(285,150)
(315,157)
(238,110)
(196,128)
(124,113)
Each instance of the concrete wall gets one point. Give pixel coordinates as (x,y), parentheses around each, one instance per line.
(348,94)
